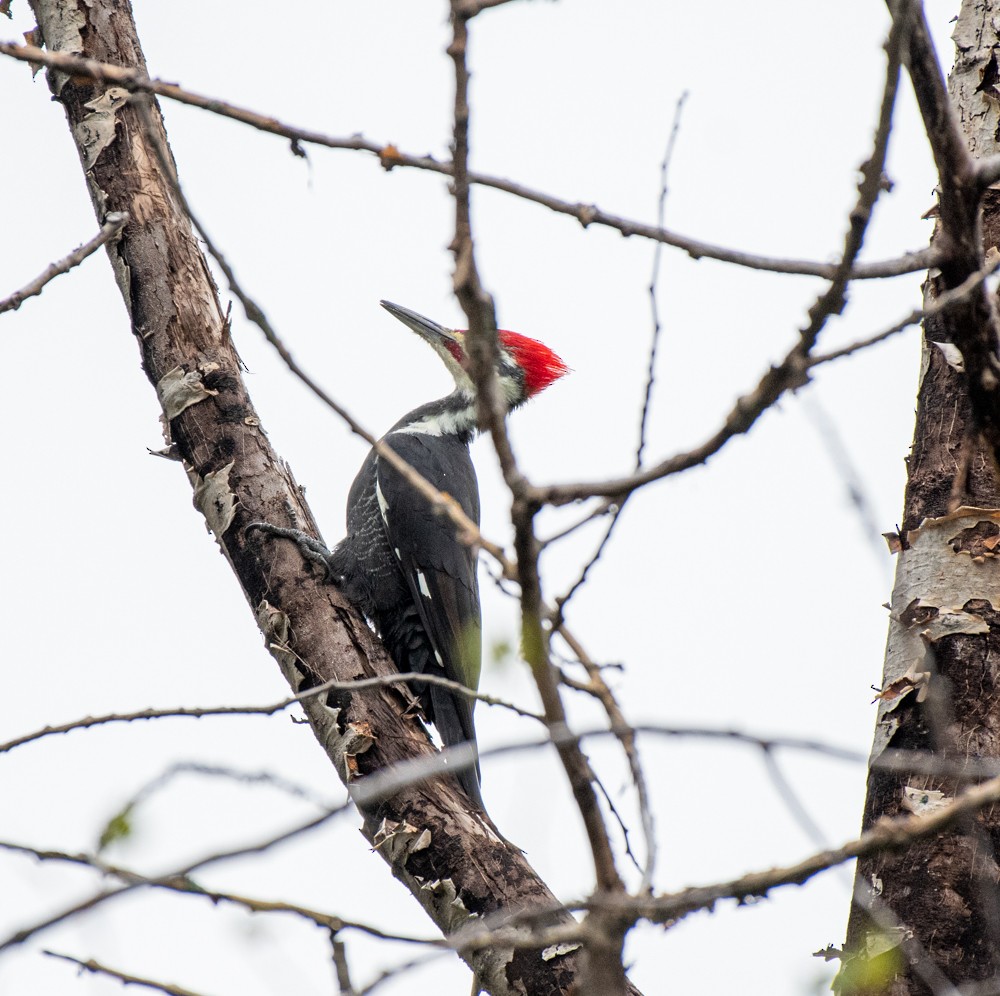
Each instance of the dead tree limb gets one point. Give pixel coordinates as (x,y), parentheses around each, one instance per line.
(446,854)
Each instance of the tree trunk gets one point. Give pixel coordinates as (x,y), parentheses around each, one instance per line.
(441,850)
(940,684)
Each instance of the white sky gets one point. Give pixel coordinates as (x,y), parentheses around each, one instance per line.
(743,595)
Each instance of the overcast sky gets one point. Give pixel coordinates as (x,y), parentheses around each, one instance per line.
(747,594)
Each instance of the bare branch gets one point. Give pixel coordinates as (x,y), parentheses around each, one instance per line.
(466,530)
(626,737)
(113,224)
(184,884)
(382,785)
(941,303)
(395,972)
(40,926)
(90,965)
(390,157)
(343,969)
(792,371)
(603,961)
(469,8)
(661,206)
(987,172)
(889,834)
(387,782)
(130,717)
(605,507)
(562,600)
(197,712)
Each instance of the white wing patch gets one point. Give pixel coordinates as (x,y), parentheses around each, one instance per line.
(383,505)
(443,423)
(422,585)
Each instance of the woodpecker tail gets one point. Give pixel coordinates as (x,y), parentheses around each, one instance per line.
(452,727)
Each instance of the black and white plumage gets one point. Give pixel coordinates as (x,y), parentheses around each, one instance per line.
(401,562)
(401,565)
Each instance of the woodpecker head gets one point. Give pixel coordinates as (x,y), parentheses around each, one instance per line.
(524,367)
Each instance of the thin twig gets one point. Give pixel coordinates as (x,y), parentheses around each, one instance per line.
(625,734)
(562,600)
(385,783)
(792,802)
(186,886)
(620,820)
(390,156)
(467,531)
(90,965)
(654,280)
(342,968)
(395,972)
(941,303)
(604,507)
(359,684)
(40,926)
(889,834)
(792,371)
(469,8)
(848,474)
(113,224)
(478,307)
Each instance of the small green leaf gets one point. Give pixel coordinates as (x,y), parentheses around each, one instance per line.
(870,971)
(501,652)
(119,827)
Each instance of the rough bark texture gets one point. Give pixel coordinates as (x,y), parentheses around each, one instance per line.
(444,853)
(944,641)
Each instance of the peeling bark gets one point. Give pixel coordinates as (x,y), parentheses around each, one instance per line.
(942,674)
(445,853)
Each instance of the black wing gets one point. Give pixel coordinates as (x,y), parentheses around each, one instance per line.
(439,571)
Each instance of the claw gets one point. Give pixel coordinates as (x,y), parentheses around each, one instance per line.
(310,547)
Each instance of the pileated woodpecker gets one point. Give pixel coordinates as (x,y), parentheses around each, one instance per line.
(401,562)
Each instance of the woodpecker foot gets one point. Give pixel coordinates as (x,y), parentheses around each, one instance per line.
(310,547)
